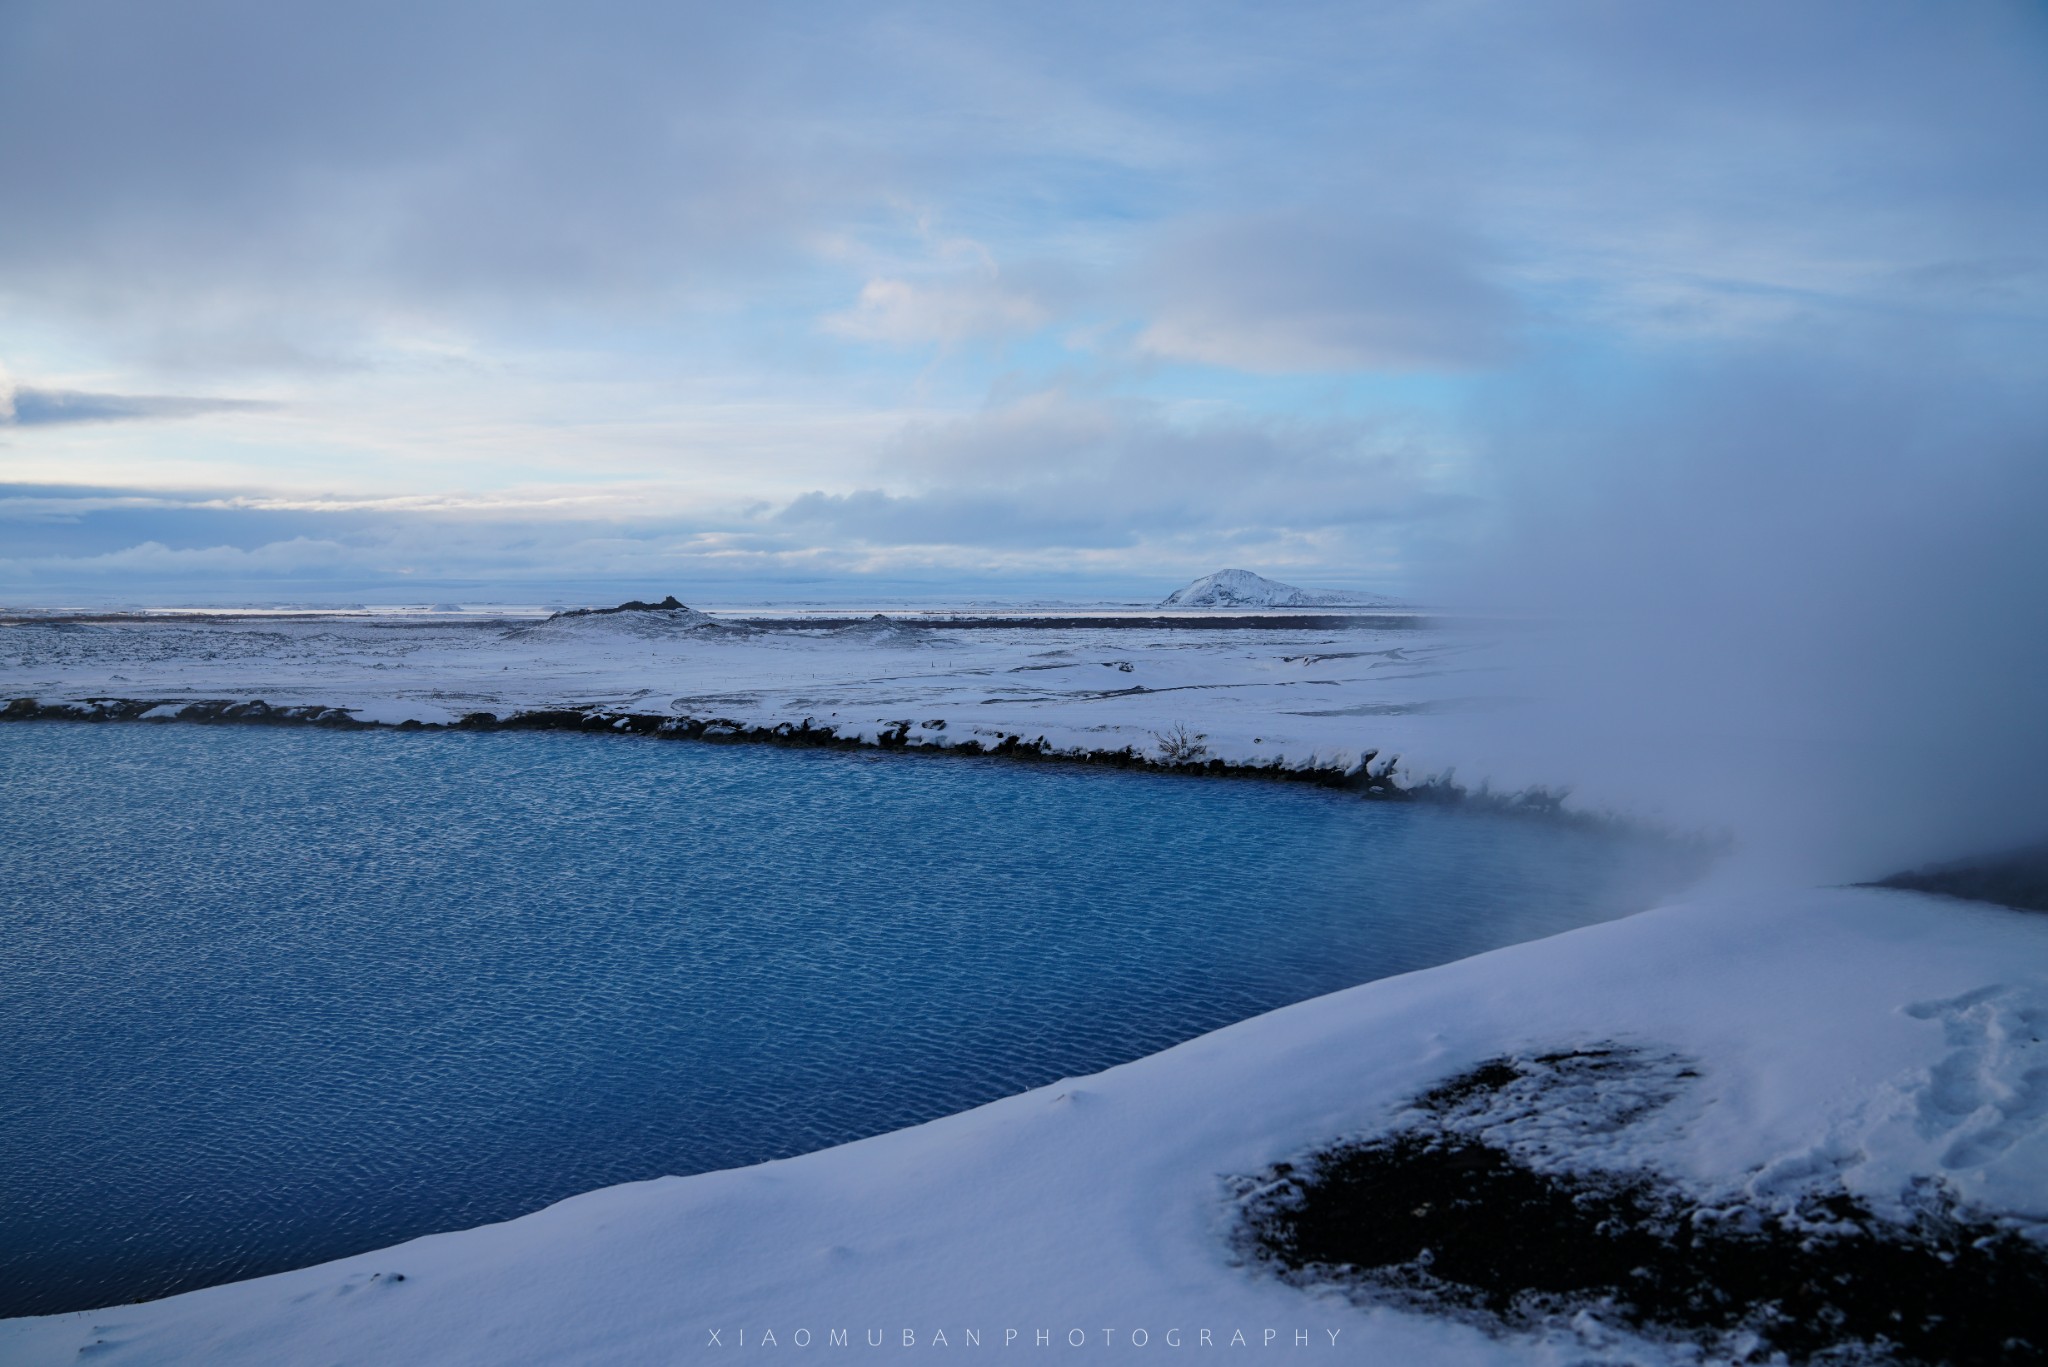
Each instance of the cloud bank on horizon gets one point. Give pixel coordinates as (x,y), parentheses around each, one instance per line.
(515,297)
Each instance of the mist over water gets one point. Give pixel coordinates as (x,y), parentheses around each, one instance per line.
(1798,593)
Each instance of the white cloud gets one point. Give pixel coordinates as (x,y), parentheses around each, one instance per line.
(1321,291)
(1124,480)
(949,311)
(657,268)
(296,556)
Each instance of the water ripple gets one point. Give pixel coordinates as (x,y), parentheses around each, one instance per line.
(276,997)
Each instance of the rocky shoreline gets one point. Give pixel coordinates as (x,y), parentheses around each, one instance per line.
(1372,777)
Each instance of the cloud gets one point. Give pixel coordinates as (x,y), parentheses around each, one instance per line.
(274,559)
(1052,470)
(870,517)
(249,185)
(21,406)
(1318,291)
(163,548)
(1049,487)
(905,311)
(241,185)
(545,291)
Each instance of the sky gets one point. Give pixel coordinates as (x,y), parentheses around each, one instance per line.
(1453,301)
(1711,338)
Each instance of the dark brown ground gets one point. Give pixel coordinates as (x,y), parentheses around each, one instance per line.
(1432,1218)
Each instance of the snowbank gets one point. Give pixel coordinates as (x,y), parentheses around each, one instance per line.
(1862,1037)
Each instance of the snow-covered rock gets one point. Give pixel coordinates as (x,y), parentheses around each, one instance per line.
(1243,589)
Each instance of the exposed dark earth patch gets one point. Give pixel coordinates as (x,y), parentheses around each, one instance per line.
(2017,878)
(1472,1205)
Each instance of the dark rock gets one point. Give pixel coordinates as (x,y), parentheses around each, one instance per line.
(2017,878)
(668,604)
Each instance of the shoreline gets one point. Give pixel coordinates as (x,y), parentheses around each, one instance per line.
(1370,778)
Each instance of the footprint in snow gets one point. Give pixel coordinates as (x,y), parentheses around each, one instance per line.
(1990,1091)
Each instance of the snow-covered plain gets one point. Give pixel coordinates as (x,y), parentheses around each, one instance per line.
(1307,689)
(1858,1040)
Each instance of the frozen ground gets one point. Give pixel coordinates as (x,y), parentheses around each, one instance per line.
(1859,1041)
(1319,689)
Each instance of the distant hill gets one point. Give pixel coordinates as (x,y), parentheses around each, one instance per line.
(669,617)
(1243,589)
(668,604)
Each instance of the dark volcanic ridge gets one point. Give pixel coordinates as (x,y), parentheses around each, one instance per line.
(1470,1206)
(668,604)
(2015,878)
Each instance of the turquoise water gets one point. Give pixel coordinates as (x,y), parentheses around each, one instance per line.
(275,996)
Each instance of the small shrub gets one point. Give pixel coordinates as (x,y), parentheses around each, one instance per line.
(1178,745)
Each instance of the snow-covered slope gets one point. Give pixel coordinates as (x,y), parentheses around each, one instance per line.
(1243,589)
(1863,1039)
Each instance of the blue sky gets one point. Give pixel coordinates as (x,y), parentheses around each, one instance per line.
(409,302)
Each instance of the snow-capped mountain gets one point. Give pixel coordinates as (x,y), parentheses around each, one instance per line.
(1243,589)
